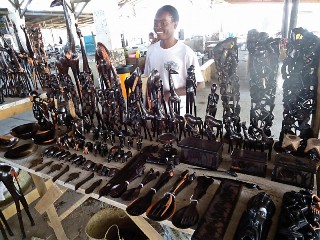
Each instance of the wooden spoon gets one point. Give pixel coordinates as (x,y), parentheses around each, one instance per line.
(165,207)
(118,189)
(141,204)
(188,216)
(133,193)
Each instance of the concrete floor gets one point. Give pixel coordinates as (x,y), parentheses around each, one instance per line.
(75,223)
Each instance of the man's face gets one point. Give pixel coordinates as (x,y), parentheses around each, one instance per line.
(164,26)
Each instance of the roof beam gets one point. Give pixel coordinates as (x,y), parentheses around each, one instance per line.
(52,13)
(21,3)
(79,1)
(12,3)
(70,8)
(17,6)
(77,15)
(25,8)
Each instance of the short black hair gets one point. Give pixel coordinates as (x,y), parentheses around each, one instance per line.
(171,10)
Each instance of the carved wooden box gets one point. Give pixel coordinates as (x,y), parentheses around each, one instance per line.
(292,170)
(201,152)
(249,162)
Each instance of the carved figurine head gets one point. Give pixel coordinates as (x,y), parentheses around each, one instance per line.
(213,88)
(190,69)
(35,99)
(67,52)
(62,115)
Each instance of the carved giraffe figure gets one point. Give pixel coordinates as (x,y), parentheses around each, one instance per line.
(87,84)
(7,174)
(174,97)
(104,67)
(30,57)
(65,62)
(67,17)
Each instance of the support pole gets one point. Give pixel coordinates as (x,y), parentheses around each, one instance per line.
(285,19)
(294,15)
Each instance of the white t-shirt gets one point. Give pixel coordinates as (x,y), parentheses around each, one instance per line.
(180,57)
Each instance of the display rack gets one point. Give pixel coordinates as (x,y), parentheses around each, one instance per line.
(50,192)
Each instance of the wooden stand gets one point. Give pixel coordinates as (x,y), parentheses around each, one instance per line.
(50,192)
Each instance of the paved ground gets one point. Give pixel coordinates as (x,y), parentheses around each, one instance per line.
(76,222)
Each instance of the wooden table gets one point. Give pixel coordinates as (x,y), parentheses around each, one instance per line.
(50,192)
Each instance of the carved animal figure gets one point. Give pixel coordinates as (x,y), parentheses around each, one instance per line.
(232,135)
(7,175)
(193,125)
(210,123)
(174,97)
(249,141)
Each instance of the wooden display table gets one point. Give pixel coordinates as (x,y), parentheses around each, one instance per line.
(50,192)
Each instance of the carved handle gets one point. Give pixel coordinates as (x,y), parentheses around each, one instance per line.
(66,169)
(43,166)
(93,186)
(149,177)
(79,184)
(164,178)
(183,177)
(137,173)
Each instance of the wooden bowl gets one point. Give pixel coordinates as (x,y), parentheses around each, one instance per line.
(44,136)
(21,151)
(25,131)
(7,142)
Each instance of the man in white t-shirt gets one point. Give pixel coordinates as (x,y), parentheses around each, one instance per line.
(170,52)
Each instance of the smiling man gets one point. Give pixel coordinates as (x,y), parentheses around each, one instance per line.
(169,52)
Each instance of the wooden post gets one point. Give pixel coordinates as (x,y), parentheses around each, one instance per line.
(294,15)
(55,222)
(285,17)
